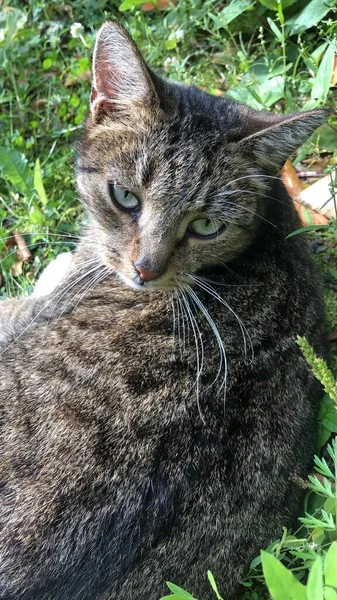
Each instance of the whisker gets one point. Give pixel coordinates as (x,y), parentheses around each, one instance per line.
(182,316)
(68,288)
(253,193)
(43,308)
(30,297)
(29,246)
(40,233)
(228,284)
(185,321)
(240,207)
(245,335)
(171,296)
(93,282)
(222,352)
(253,177)
(200,362)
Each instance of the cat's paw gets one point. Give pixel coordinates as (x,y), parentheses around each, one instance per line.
(53,274)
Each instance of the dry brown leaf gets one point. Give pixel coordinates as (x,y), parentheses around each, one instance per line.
(24,254)
(291,181)
(317,197)
(73,79)
(156,4)
(315,218)
(16,269)
(332,337)
(39,103)
(334,73)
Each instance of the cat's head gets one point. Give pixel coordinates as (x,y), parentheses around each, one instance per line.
(173,177)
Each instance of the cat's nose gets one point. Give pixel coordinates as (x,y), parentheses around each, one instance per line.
(146,275)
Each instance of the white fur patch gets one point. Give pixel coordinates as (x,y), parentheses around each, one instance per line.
(53,274)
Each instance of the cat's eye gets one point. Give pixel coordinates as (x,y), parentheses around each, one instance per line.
(205,227)
(124,199)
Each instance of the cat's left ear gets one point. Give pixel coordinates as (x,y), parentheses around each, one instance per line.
(273,138)
(121,79)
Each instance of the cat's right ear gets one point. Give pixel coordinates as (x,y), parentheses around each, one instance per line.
(121,80)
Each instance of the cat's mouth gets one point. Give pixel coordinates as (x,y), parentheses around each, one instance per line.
(137,283)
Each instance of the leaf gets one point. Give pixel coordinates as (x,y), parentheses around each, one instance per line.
(290,179)
(325,138)
(213,584)
(311,14)
(233,10)
(315,581)
(323,77)
(272,4)
(330,424)
(11,21)
(15,169)
(330,566)
(281,583)
(127,4)
(183,595)
(38,183)
(318,534)
(275,29)
(307,228)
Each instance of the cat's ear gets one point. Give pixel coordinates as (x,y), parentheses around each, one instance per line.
(121,80)
(273,138)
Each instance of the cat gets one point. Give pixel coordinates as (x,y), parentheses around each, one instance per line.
(156,407)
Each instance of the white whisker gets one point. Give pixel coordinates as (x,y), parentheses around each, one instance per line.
(222,352)
(200,361)
(210,290)
(57,293)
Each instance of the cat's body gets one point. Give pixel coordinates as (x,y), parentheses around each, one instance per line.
(121,467)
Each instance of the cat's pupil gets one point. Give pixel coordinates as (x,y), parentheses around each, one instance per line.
(123,199)
(205,227)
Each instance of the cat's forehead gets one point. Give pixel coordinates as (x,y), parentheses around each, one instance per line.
(180,155)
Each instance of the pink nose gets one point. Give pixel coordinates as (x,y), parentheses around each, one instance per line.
(147,275)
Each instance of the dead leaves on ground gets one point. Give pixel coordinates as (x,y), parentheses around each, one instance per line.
(22,254)
(314,203)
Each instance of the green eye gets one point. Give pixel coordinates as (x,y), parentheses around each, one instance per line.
(123,198)
(205,227)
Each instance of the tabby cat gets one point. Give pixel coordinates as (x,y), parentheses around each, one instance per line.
(157,410)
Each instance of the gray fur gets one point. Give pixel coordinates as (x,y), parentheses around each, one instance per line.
(127,458)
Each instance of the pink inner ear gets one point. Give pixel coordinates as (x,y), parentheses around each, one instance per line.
(93,95)
(105,75)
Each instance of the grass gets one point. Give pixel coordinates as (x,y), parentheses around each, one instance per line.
(268,54)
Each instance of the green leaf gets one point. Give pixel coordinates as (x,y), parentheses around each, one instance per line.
(35,215)
(38,183)
(315,584)
(273,4)
(47,63)
(311,14)
(233,10)
(330,424)
(320,88)
(325,138)
(183,595)
(11,21)
(15,169)
(281,583)
(330,566)
(127,4)
(275,29)
(213,584)
(307,228)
